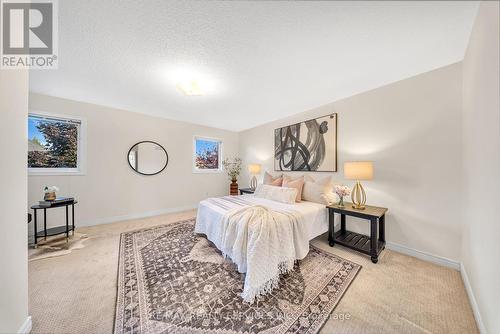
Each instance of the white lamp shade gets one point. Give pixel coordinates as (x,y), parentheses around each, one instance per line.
(358,170)
(254,168)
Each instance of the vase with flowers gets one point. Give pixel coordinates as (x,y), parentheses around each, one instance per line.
(50,193)
(233,170)
(342,191)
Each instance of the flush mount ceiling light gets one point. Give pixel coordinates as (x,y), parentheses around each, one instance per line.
(190,88)
(192,81)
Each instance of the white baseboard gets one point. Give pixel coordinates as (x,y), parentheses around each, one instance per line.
(26,327)
(442,261)
(453,264)
(472,299)
(114,219)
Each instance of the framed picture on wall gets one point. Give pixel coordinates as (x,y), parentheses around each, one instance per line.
(307,146)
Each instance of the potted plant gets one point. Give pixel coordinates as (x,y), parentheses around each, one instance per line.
(233,170)
(50,193)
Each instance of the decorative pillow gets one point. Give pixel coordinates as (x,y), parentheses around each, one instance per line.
(273,180)
(330,198)
(278,194)
(297,183)
(319,191)
(292,177)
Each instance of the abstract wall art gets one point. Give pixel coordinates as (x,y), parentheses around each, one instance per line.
(307,146)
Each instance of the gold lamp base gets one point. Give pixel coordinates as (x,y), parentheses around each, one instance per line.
(253,183)
(358,196)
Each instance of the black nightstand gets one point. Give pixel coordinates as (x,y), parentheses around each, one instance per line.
(246,191)
(365,244)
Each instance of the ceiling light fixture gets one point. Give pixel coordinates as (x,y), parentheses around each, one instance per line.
(190,88)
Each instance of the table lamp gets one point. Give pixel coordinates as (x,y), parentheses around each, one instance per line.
(254,169)
(358,170)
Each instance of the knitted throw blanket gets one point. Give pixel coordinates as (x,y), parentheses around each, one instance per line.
(264,244)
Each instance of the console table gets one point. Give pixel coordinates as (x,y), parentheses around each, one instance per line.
(53,230)
(365,244)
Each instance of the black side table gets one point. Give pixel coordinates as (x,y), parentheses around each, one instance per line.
(359,242)
(54,230)
(246,191)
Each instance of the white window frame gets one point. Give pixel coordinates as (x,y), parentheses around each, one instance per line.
(81,163)
(219,141)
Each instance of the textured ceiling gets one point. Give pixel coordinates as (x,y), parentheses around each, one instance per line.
(262,60)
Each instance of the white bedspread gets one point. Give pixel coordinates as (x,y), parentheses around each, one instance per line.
(262,237)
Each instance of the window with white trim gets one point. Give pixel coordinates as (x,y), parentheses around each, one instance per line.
(55,144)
(207,155)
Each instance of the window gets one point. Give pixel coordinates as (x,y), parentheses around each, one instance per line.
(207,155)
(55,144)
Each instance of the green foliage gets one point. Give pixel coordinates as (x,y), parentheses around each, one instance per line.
(38,159)
(208,159)
(62,146)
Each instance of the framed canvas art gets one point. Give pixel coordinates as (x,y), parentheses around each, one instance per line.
(307,146)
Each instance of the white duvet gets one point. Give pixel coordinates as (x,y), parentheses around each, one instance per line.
(263,238)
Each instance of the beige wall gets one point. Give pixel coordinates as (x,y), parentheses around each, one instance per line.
(110,190)
(411,130)
(13,222)
(481,161)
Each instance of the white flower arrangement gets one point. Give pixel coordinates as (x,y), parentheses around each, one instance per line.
(342,191)
(232,167)
(50,189)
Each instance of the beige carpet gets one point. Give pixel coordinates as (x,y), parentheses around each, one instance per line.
(75,293)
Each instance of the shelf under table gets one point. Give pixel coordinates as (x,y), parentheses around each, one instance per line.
(54,231)
(359,242)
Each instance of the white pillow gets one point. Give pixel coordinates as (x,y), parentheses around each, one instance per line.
(278,194)
(319,191)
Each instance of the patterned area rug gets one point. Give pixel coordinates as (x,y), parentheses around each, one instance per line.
(171,280)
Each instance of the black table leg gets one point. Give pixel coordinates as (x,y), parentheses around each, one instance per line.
(67,224)
(73,217)
(381,226)
(342,223)
(331,227)
(373,240)
(45,223)
(35,227)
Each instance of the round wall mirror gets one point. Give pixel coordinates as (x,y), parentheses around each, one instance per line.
(147,158)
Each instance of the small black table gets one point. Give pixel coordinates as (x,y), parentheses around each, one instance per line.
(359,242)
(54,230)
(246,191)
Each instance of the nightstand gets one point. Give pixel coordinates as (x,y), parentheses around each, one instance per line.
(246,191)
(365,244)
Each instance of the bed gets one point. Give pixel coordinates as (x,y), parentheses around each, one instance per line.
(263,237)
(212,210)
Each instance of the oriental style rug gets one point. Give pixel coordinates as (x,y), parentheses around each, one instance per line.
(171,280)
